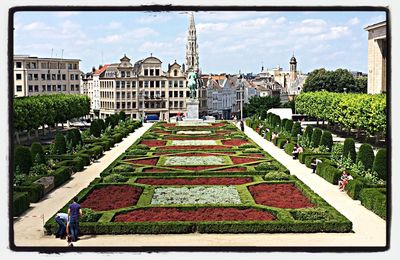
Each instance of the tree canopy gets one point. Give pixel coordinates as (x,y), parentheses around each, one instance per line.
(260,105)
(340,80)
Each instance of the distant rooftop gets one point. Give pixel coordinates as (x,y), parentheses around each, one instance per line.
(22,56)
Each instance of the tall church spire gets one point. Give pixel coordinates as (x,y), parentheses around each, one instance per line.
(192,53)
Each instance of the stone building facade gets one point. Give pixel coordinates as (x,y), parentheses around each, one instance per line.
(36,76)
(377,52)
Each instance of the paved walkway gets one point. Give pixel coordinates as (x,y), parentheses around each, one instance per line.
(369,229)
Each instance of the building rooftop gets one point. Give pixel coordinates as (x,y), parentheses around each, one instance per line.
(375,25)
(21,57)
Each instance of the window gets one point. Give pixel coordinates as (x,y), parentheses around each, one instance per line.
(70,66)
(175,93)
(180,93)
(118,95)
(59,87)
(58,76)
(123,95)
(180,103)
(128,84)
(152,84)
(175,84)
(77,87)
(48,87)
(175,73)
(18,64)
(157,72)
(64,87)
(170,94)
(53,65)
(151,72)
(117,84)
(18,76)
(29,76)
(163,83)
(133,84)
(36,88)
(53,76)
(72,76)
(118,105)
(146,84)
(146,72)
(75,66)
(170,83)
(43,76)
(176,104)
(157,84)
(140,84)
(64,77)
(19,88)
(122,84)
(48,76)
(123,74)
(128,74)
(133,94)
(181,84)
(43,88)
(61,66)
(30,88)
(34,65)
(133,104)
(128,95)
(76,76)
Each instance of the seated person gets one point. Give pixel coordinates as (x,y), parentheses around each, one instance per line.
(284,145)
(344,179)
(274,136)
(314,164)
(296,152)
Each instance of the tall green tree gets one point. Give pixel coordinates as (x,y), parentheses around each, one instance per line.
(260,105)
(340,80)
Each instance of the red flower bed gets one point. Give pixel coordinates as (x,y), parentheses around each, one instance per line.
(168,125)
(195,147)
(234,142)
(152,143)
(240,160)
(112,197)
(151,161)
(201,214)
(218,124)
(196,181)
(233,169)
(284,195)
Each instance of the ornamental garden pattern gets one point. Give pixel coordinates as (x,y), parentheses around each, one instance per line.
(207,179)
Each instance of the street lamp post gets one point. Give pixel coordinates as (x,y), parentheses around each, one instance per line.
(241,98)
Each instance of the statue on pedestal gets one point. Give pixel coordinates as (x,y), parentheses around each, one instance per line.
(192,84)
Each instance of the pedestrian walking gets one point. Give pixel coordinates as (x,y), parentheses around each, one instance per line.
(74,212)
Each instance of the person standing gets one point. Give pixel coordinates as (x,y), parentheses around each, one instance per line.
(74,212)
(61,219)
(242,125)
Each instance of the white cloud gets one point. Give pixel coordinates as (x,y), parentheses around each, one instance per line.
(280,20)
(111,38)
(310,26)
(34,26)
(353,21)
(335,32)
(254,23)
(210,27)
(153,18)
(153,47)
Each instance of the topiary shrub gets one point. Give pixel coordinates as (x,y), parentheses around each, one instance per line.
(296,129)
(366,156)
(20,203)
(308,133)
(276,175)
(326,140)
(78,136)
(349,149)
(95,128)
(289,125)
(283,124)
(380,164)
(70,139)
(60,144)
(115,177)
(37,153)
(316,137)
(23,159)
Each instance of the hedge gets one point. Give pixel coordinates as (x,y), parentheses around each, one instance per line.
(20,202)
(349,149)
(309,159)
(329,173)
(76,164)
(289,125)
(61,175)
(316,137)
(289,148)
(35,191)
(366,156)
(308,133)
(117,138)
(354,187)
(380,164)
(60,144)
(374,199)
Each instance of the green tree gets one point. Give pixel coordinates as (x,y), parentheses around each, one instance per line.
(260,105)
(95,128)
(349,149)
(296,129)
(289,126)
(122,116)
(326,140)
(332,81)
(316,137)
(308,133)
(23,159)
(361,84)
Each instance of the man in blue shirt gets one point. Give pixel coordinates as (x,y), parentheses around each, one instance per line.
(74,211)
(61,219)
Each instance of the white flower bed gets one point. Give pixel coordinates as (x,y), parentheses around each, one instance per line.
(193,142)
(195,160)
(193,132)
(196,195)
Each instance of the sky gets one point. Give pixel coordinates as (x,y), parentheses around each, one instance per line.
(228,42)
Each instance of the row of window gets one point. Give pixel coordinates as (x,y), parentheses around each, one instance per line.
(132,105)
(47,65)
(35,76)
(146,84)
(49,88)
(152,72)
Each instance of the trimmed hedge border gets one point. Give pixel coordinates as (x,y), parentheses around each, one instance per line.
(20,203)
(374,199)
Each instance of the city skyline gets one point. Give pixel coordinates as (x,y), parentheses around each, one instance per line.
(228,41)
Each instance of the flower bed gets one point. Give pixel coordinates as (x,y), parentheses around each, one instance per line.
(196,195)
(191,147)
(234,142)
(194,160)
(284,195)
(196,181)
(191,142)
(112,197)
(233,169)
(151,161)
(240,160)
(201,214)
(153,143)
(193,132)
